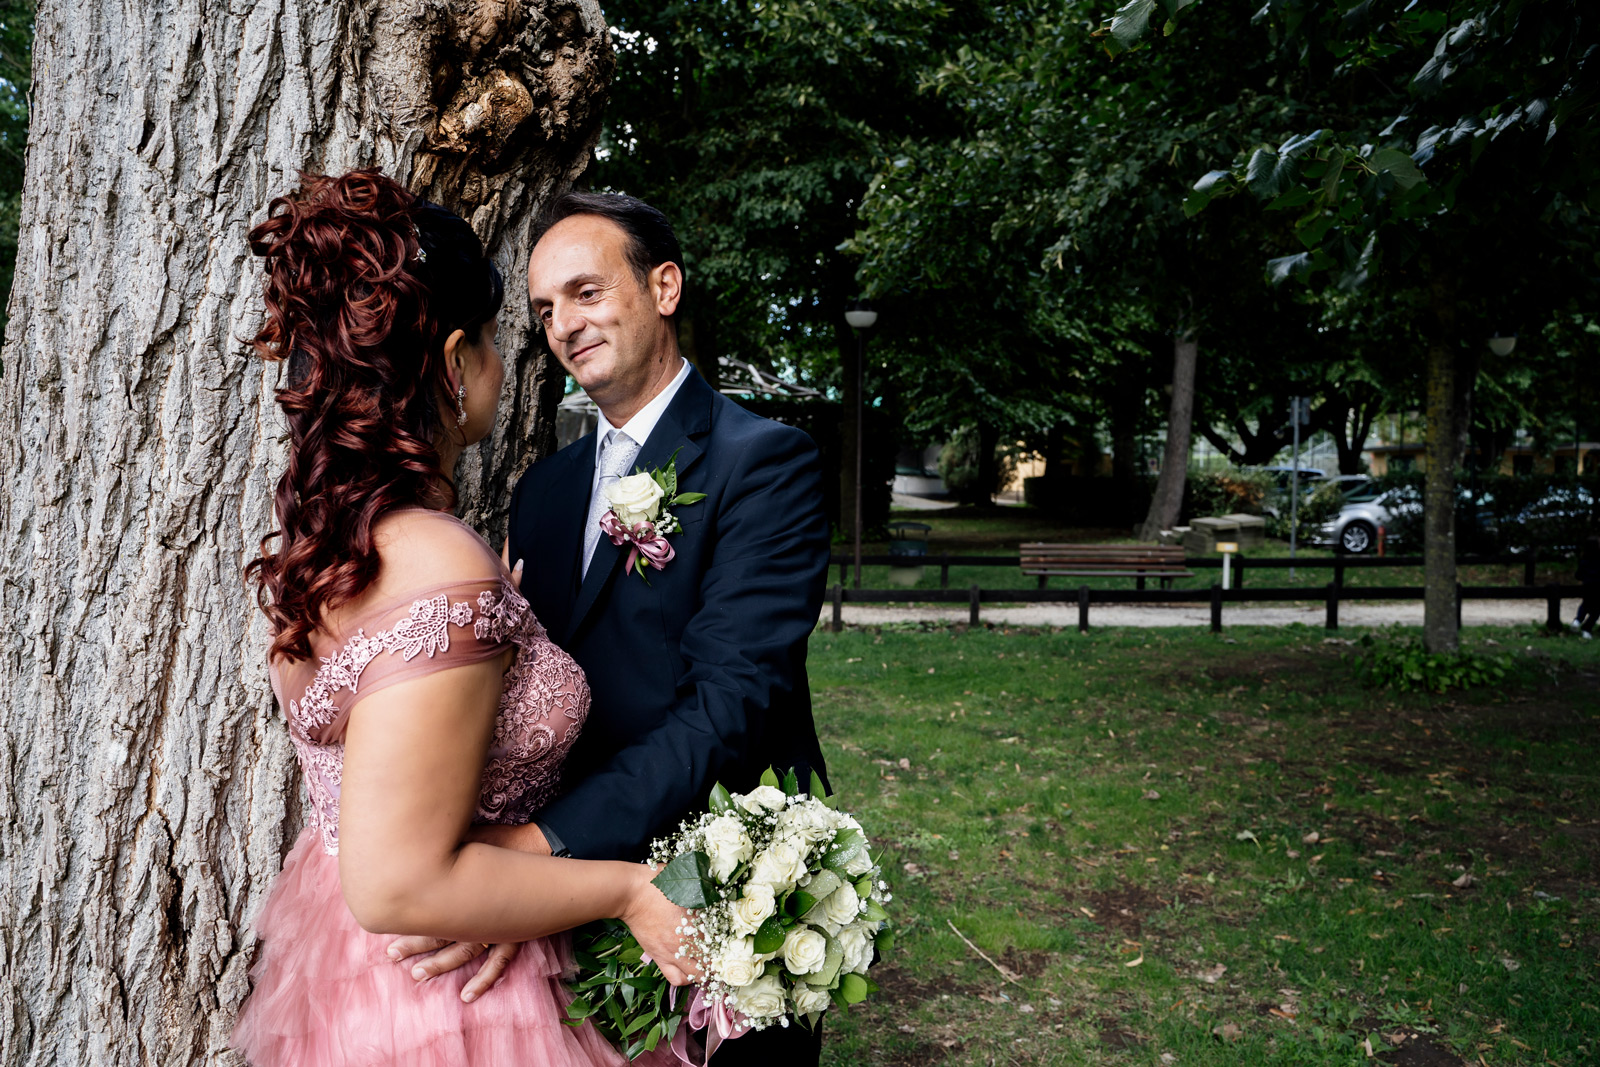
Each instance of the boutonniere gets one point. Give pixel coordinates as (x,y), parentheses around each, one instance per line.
(641,514)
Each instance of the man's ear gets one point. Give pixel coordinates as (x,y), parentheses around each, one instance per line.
(666,286)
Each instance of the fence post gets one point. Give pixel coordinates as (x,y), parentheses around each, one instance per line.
(944,572)
(1238,572)
(1332,622)
(1338,572)
(972,604)
(1530,568)
(836,594)
(1552,618)
(844,571)
(1083,609)
(1459,598)
(1216,607)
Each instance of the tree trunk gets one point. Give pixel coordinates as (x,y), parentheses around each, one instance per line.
(1168,499)
(1440,634)
(149,791)
(849,398)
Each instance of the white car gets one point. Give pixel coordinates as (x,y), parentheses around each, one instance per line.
(1355,528)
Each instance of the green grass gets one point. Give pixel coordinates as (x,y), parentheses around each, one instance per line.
(999,531)
(1112,817)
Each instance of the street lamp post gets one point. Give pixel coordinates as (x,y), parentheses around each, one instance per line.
(860,318)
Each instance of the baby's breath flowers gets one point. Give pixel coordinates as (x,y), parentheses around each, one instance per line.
(786,907)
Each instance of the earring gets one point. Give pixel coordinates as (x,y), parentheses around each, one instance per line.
(461,405)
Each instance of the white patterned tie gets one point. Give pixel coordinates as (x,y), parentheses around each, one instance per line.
(615,455)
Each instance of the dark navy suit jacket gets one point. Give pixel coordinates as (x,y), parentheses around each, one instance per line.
(699,674)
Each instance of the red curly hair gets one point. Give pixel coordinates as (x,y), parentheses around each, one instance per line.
(360,315)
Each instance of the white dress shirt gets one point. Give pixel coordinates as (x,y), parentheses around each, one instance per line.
(644,420)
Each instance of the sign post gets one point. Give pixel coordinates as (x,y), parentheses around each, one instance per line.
(1227,548)
(1299,415)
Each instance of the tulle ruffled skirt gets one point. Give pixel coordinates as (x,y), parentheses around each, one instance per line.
(326,994)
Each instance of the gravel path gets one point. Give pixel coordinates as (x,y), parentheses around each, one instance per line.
(1474,613)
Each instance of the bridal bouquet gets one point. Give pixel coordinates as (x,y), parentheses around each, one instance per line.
(786,907)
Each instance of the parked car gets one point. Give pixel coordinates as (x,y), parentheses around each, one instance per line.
(1365,510)
(1369,507)
(1558,520)
(1277,499)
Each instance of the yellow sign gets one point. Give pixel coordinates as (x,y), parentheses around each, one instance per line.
(1227,546)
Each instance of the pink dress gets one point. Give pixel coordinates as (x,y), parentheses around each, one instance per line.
(325,993)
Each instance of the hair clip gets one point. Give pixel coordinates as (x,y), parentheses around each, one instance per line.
(422,253)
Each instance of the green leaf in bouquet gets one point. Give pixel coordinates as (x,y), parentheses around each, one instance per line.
(688,498)
(824,978)
(818,790)
(884,942)
(874,912)
(838,999)
(823,884)
(847,845)
(853,988)
(653,1038)
(864,886)
(686,881)
(769,777)
(791,783)
(721,799)
(770,935)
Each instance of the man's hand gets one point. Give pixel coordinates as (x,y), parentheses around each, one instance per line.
(449,955)
(442,957)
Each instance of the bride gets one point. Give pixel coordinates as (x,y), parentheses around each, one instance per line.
(421,693)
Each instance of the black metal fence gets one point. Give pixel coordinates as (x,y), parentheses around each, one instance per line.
(1331,595)
(1528,561)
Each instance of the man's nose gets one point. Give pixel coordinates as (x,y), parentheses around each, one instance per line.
(565,322)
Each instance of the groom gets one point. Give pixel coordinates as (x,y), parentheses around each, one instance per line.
(698,669)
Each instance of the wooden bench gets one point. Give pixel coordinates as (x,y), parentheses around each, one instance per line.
(1046,561)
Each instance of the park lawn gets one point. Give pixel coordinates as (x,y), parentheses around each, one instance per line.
(1119,821)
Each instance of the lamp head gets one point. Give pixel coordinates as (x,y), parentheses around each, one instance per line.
(1502,345)
(860,315)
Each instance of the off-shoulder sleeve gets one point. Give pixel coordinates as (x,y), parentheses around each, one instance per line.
(432,629)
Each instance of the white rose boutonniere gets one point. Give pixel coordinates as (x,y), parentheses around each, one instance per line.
(641,516)
(635,499)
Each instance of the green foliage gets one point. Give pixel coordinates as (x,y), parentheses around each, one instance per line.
(16,82)
(1395,662)
(1227,492)
(631,1005)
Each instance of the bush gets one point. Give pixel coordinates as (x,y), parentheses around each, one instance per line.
(1403,664)
(1226,492)
(1314,510)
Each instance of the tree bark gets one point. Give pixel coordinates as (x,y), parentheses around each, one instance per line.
(1440,634)
(149,791)
(1168,500)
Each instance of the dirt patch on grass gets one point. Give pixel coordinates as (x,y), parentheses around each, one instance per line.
(1027,964)
(1123,909)
(1408,1048)
(1113,1036)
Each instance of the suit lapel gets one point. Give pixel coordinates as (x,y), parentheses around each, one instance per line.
(687,417)
(566,506)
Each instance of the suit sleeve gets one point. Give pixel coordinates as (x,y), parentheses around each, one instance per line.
(743,649)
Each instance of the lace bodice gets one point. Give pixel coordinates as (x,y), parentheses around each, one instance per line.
(543,703)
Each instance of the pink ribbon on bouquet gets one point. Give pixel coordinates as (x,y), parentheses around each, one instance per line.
(720,1022)
(642,539)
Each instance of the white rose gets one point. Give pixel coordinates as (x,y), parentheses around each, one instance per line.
(843,906)
(808,1000)
(728,845)
(861,864)
(761,998)
(810,822)
(738,965)
(761,799)
(856,944)
(780,866)
(635,498)
(753,908)
(804,950)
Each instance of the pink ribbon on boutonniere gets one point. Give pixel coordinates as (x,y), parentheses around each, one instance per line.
(642,539)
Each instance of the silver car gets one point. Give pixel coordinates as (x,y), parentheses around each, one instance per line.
(1355,528)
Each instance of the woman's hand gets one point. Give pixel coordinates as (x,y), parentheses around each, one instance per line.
(654,921)
(445,956)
